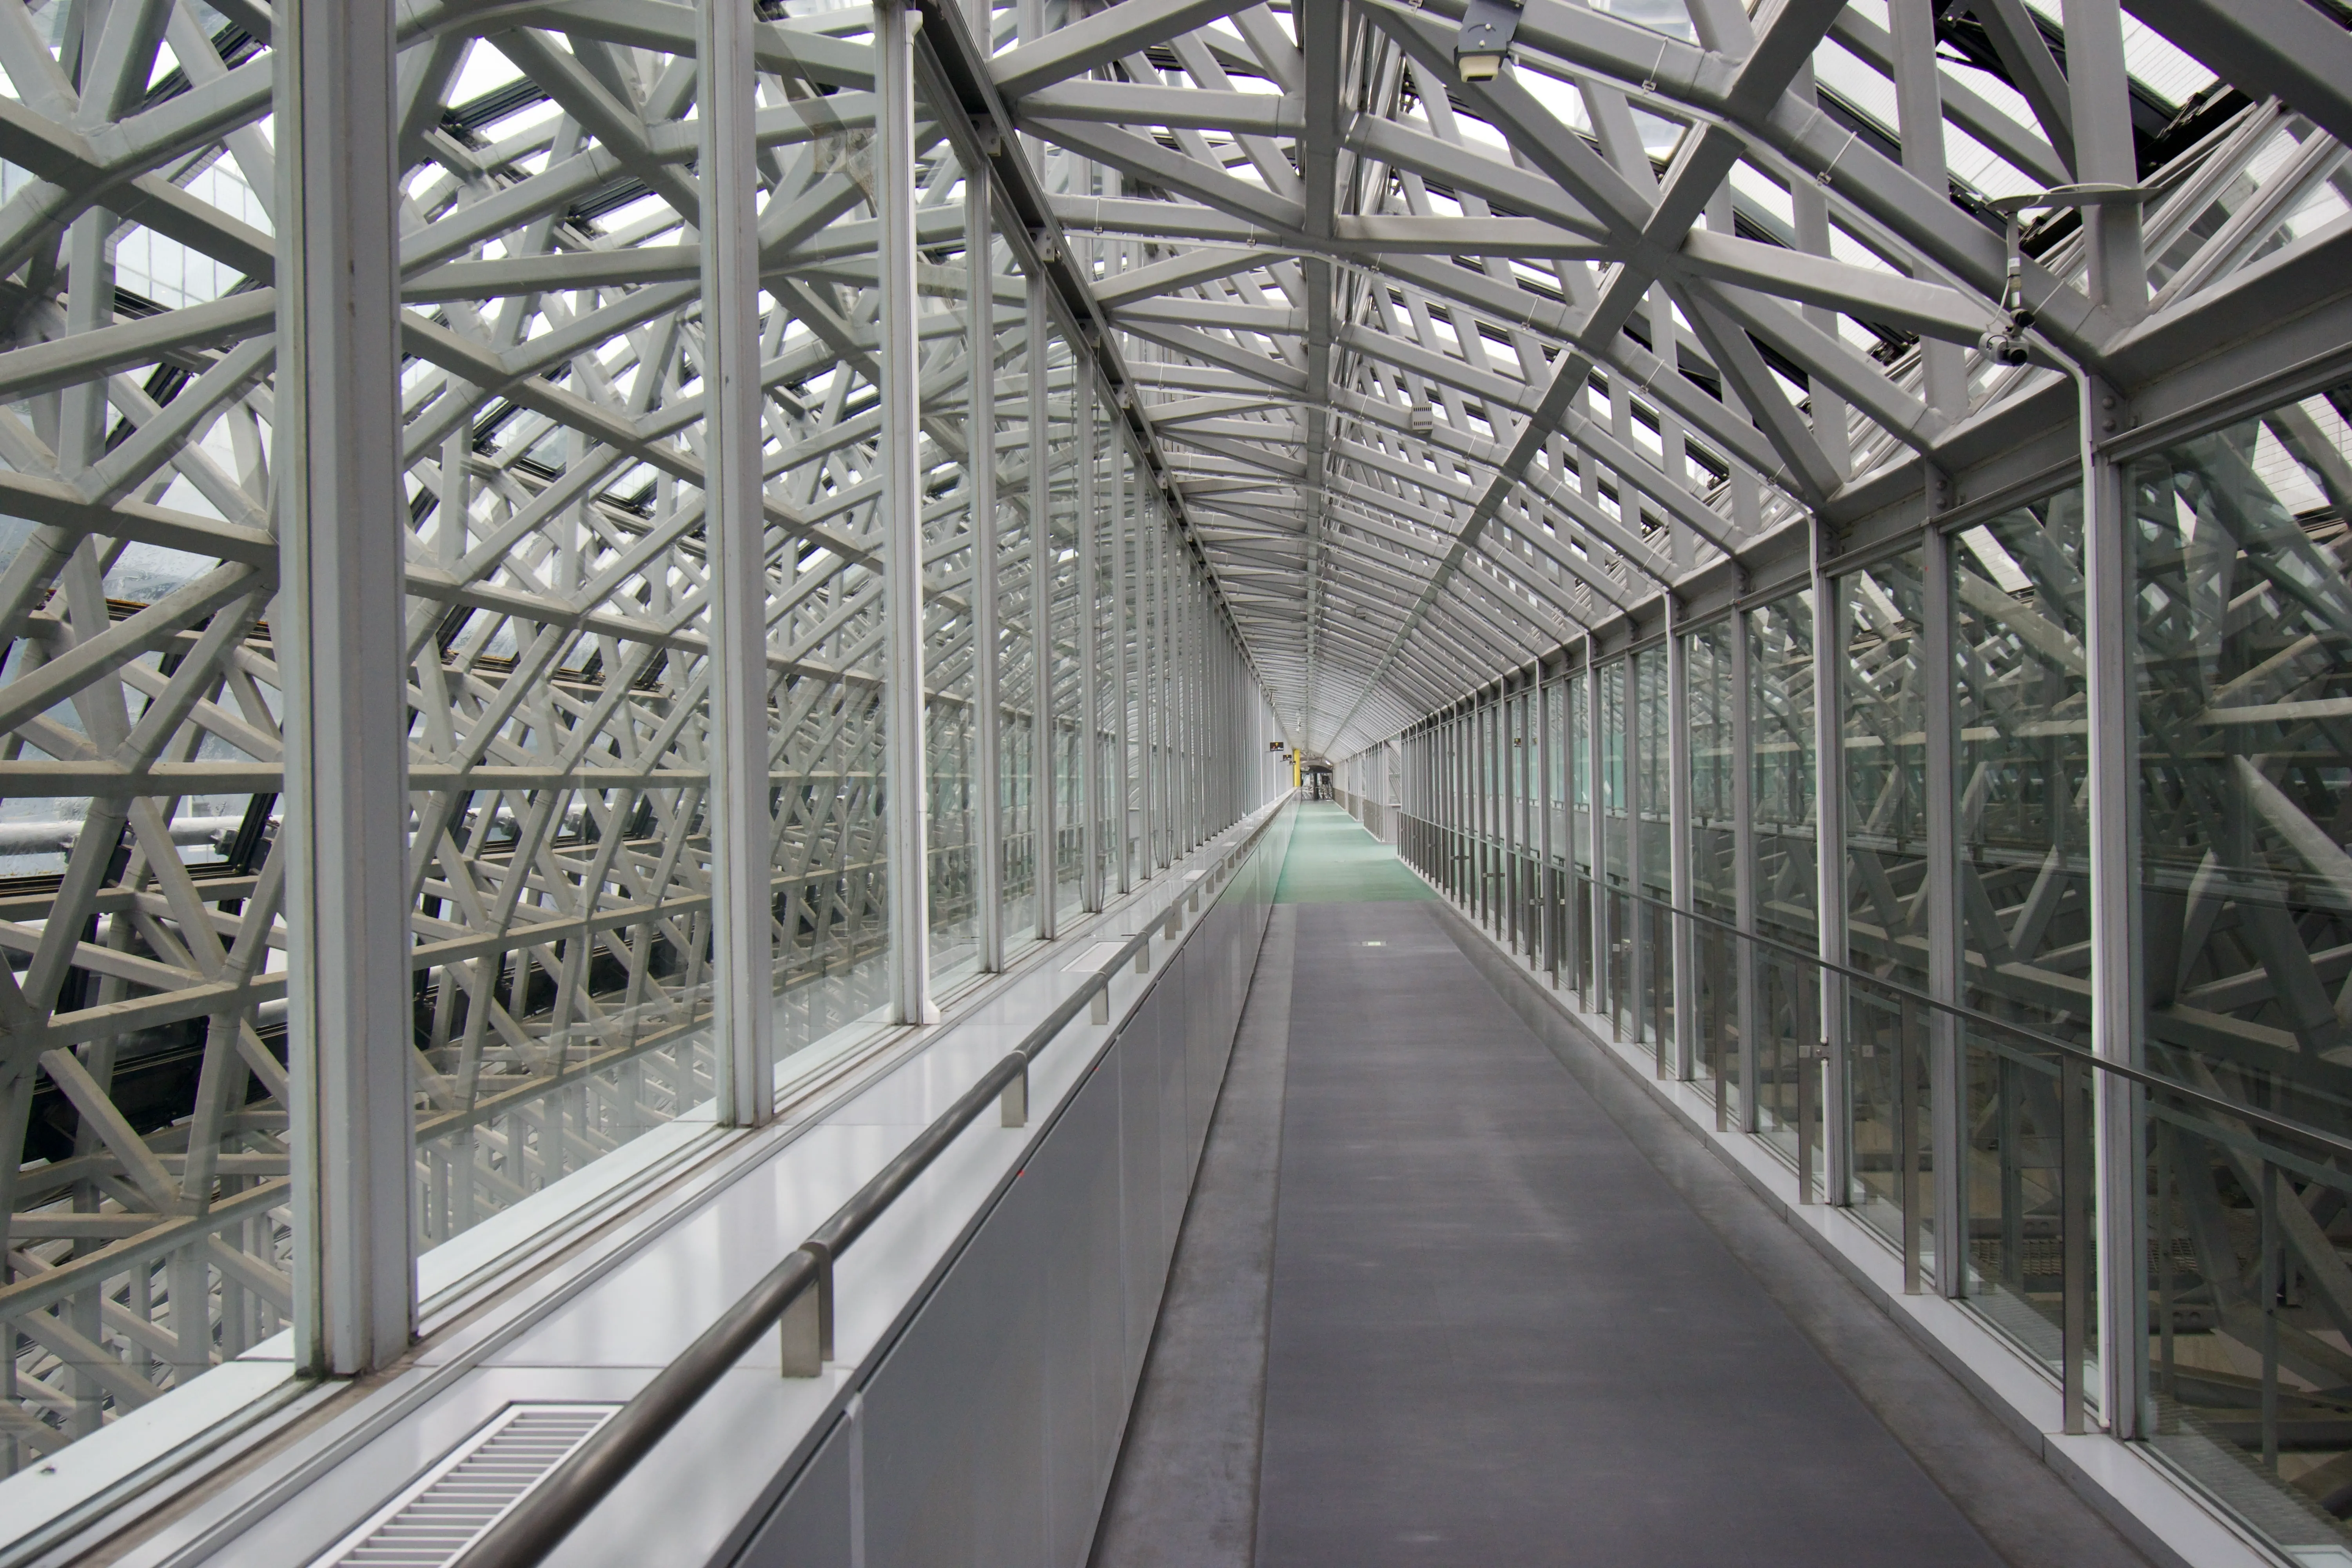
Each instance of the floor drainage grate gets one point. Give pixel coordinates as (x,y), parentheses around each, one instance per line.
(449,1506)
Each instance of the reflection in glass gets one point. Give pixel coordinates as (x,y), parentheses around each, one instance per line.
(2243,643)
(1786,850)
(2020,767)
(1714,845)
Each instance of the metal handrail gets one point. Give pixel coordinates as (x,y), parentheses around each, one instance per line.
(2254,1115)
(797,1293)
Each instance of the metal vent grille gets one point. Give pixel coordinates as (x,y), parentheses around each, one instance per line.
(449,1506)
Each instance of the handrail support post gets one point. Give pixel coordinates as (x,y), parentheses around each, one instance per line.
(804,1333)
(1012,1106)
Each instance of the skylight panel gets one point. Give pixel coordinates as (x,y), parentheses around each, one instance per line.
(484,72)
(1855,81)
(1671,18)
(1562,98)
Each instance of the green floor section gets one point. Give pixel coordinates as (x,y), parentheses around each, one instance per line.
(1333,860)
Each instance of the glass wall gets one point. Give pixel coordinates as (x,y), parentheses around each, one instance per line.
(1582,834)
(1065,625)
(1964,1068)
(1714,851)
(950,655)
(1654,800)
(1020,801)
(1780,984)
(2242,624)
(1882,704)
(2021,832)
(576,571)
(1613,923)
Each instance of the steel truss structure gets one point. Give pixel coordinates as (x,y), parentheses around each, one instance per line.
(1955,782)
(493,508)
(1053,403)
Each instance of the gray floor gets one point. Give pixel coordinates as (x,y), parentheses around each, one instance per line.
(1444,1297)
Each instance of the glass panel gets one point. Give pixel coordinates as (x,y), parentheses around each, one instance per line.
(1780,716)
(1884,735)
(1069,619)
(1786,850)
(1611,922)
(2023,830)
(1016,562)
(1610,680)
(2022,754)
(1588,916)
(1559,764)
(1884,742)
(2244,623)
(1653,801)
(950,655)
(179,1183)
(1714,844)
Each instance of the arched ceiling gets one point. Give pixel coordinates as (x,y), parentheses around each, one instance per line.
(1447,370)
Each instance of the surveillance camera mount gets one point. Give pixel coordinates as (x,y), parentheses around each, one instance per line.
(2004,340)
(1485,41)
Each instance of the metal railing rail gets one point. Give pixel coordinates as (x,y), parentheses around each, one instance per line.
(1443,847)
(797,1294)
(2253,1115)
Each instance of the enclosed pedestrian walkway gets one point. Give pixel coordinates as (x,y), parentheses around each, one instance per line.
(1447,1294)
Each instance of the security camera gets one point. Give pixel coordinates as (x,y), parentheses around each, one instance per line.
(2004,341)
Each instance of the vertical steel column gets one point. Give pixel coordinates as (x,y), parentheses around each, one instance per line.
(1547,894)
(1598,896)
(1441,800)
(1466,807)
(1466,859)
(1179,733)
(342,652)
(1828,877)
(1162,686)
(1637,960)
(742,829)
(2116,994)
(1481,798)
(1188,625)
(1449,782)
(1088,630)
(1197,664)
(1483,720)
(2117,276)
(1147,694)
(1947,1128)
(1499,795)
(1530,750)
(979,465)
(1743,858)
(1679,845)
(1189,666)
(1042,739)
(1571,919)
(1457,769)
(1523,831)
(1123,627)
(1180,631)
(1507,791)
(907,788)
